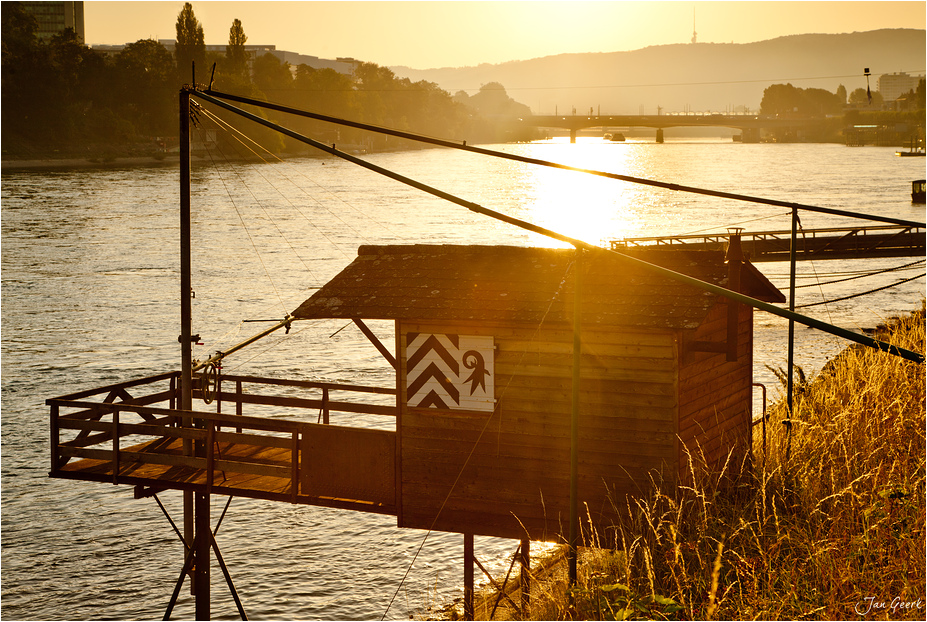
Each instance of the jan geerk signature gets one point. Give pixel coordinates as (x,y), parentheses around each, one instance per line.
(871,604)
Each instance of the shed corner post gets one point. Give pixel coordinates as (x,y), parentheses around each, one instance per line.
(468,576)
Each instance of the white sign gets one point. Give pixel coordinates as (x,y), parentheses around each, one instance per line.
(450,371)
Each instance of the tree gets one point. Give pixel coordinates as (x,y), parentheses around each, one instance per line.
(860,98)
(785,99)
(271,76)
(236,60)
(915,97)
(191,44)
(146,71)
(842,94)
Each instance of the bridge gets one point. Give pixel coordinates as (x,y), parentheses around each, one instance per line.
(749,124)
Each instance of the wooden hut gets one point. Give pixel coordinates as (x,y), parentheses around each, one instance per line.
(484,355)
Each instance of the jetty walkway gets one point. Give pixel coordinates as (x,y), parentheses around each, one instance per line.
(828,243)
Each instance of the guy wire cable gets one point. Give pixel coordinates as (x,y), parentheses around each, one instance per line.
(232,129)
(212,95)
(528,226)
(911,266)
(871,291)
(248,233)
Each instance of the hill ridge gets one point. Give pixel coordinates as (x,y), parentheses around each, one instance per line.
(669,75)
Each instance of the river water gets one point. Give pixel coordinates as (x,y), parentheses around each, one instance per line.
(89,290)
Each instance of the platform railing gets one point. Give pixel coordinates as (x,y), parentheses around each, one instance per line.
(115,429)
(762,236)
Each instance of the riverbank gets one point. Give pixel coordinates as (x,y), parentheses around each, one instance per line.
(75,163)
(828,523)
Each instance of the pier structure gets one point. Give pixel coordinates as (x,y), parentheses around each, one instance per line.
(750,125)
(822,243)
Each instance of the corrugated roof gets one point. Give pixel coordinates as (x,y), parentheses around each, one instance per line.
(516,284)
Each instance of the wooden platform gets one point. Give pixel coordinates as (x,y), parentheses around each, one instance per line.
(227,454)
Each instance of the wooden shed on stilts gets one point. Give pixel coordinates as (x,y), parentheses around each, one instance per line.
(484,339)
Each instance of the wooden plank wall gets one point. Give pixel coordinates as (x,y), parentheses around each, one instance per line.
(507,472)
(716,396)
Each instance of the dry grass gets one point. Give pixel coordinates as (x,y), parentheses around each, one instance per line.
(829,531)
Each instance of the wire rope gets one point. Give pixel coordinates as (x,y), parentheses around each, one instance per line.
(575,87)
(871,291)
(910,266)
(273,345)
(274,222)
(850,274)
(816,278)
(555,235)
(742,222)
(229,129)
(309,196)
(248,232)
(218,98)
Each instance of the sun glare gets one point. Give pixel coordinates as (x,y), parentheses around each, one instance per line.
(590,208)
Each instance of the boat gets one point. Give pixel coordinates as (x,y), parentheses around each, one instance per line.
(618,137)
(917,190)
(915,150)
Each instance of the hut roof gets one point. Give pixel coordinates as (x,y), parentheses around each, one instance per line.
(518,284)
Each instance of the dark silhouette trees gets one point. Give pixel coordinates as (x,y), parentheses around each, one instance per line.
(61,99)
(145,70)
(786,100)
(236,58)
(190,46)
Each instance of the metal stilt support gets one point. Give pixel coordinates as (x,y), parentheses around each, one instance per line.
(525,576)
(191,552)
(228,578)
(468,576)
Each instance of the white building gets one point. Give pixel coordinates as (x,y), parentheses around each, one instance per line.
(894,85)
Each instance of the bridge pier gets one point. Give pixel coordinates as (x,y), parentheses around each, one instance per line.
(659,135)
(572,136)
(750,135)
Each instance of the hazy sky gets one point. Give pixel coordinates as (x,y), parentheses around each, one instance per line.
(425,35)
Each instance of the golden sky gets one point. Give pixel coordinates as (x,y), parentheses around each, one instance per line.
(425,35)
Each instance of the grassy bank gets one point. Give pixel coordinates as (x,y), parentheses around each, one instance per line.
(829,524)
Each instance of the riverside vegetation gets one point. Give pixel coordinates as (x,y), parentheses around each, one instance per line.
(61,100)
(829,524)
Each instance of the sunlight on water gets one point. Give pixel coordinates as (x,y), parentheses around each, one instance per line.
(590,208)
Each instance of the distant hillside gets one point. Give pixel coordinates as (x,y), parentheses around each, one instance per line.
(701,76)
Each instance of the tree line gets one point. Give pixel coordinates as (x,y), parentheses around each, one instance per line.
(838,110)
(62,99)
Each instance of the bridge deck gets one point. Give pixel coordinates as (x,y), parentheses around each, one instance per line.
(829,243)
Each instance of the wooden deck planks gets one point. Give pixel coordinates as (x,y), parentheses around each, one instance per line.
(240,470)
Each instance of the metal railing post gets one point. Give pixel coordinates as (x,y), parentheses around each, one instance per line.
(325,419)
(115,446)
(54,437)
(294,465)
